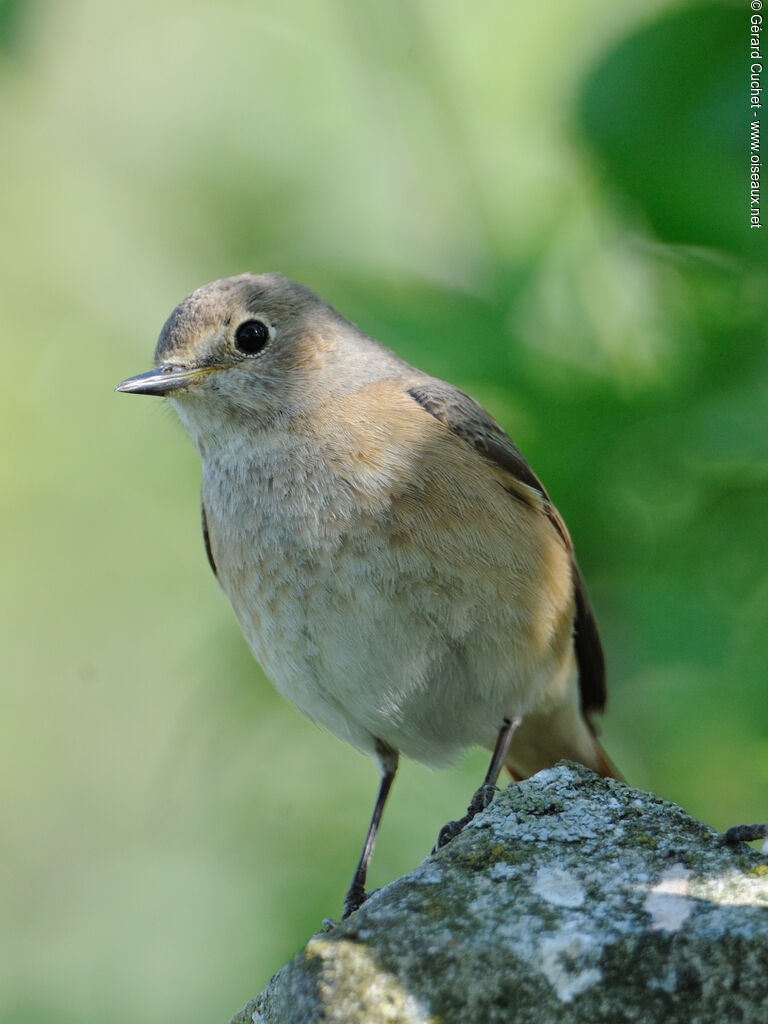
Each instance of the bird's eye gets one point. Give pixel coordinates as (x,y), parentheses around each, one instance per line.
(251,337)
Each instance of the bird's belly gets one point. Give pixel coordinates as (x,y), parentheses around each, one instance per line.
(375,641)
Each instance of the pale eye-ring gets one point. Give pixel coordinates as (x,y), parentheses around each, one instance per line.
(251,337)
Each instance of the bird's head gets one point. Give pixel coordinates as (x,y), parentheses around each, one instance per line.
(252,348)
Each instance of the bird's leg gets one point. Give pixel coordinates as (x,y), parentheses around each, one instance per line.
(484,794)
(388,764)
(746,833)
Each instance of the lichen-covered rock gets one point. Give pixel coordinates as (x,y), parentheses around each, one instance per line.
(571,899)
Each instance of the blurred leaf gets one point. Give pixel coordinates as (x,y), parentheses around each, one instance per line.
(667,113)
(12,14)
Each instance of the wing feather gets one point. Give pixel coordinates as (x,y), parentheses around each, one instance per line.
(207,539)
(469,421)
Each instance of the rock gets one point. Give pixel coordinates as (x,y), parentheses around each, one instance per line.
(571,899)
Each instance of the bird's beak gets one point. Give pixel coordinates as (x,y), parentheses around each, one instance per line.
(164,379)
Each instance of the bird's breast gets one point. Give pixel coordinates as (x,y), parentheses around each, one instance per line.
(390,590)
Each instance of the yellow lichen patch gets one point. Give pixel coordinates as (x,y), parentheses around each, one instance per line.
(356,986)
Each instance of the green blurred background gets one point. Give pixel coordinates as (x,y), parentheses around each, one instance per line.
(546,205)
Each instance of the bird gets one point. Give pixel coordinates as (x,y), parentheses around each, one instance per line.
(393,562)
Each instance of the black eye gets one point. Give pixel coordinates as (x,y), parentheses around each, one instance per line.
(251,337)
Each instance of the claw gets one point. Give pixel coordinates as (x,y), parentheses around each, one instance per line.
(448,832)
(354,899)
(480,801)
(485,794)
(746,833)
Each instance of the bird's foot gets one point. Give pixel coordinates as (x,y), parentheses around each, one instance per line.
(746,833)
(355,898)
(479,802)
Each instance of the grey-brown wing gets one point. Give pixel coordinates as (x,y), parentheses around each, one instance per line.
(469,421)
(207,539)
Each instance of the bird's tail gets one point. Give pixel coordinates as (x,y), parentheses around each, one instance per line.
(562,733)
(605,766)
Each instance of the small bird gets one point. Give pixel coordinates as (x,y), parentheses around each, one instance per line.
(393,562)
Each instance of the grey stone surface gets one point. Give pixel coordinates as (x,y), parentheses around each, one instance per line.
(571,899)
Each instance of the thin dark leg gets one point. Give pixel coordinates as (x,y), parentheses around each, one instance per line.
(484,794)
(356,893)
(500,751)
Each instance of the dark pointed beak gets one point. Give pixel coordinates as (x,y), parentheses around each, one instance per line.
(163,380)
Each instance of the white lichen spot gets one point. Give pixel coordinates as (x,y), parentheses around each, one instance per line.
(547,775)
(668,902)
(428,873)
(440,940)
(483,905)
(500,871)
(563,963)
(559,887)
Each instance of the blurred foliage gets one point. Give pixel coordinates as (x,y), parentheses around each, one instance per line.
(11,12)
(670,128)
(550,211)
